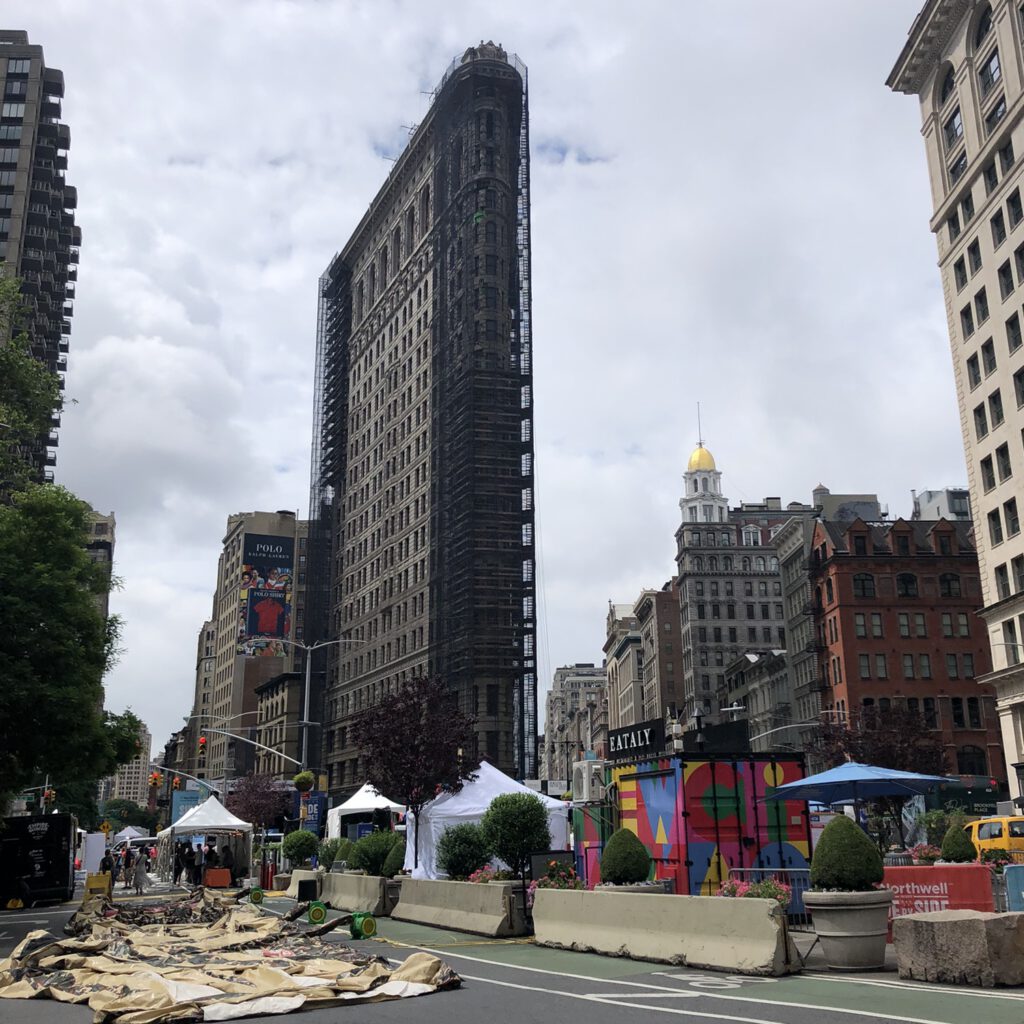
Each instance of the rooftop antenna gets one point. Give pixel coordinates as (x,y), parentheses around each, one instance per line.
(700,433)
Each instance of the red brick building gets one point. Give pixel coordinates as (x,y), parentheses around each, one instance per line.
(895,618)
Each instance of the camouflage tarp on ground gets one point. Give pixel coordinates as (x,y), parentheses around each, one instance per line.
(203,958)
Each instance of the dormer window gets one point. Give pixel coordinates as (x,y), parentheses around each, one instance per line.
(984,26)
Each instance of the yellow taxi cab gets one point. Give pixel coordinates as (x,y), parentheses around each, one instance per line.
(997,833)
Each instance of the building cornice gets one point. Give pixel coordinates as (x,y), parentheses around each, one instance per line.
(929,35)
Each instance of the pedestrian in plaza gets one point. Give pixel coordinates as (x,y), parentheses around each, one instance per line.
(116,868)
(127,866)
(188,858)
(227,860)
(179,862)
(200,865)
(107,863)
(139,877)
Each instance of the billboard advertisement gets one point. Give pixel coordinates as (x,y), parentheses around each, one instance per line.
(265,595)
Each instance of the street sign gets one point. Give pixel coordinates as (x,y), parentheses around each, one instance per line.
(105,827)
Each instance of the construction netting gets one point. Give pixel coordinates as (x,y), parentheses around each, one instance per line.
(204,957)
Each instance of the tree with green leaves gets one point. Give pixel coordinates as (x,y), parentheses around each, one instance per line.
(121,813)
(29,394)
(55,646)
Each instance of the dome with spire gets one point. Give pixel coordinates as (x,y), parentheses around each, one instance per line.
(701,461)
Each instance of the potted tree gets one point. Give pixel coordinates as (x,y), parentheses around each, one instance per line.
(850,912)
(304,781)
(626,864)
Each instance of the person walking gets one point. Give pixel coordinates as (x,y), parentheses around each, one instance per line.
(127,866)
(188,858)
(227,860)
(179,862)
(139,877)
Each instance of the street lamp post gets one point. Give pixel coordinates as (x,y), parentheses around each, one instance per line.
(309,649)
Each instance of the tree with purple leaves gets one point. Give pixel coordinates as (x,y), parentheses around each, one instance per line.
(256,799)
(412,742)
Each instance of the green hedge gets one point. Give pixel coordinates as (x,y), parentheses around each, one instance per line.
(625,860)
(370,852)
(299,846)
(395,859)
(461,850)
(845,859)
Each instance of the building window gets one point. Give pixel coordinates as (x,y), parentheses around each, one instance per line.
(924,664)
(960,274)
(995,408)
(1005,280)
(973,372)
(995,527)
(995,115)
(908,666)
(1013,333)
(988,474)
(1002,577)
(860,624)
(920,628)
(974,715)
(1003,462)
(980,421)
(956,707)
(990,73)
(968,207)
(966,321)
(1010,642)
(968,663)
(863,585)
(14,110)
(881,667)
(1006,156)
(904,624)
(949,585)
(864,665)
(1014,208)
(963,626)
(981,306)
(998,224)
(876,625)
(951,669)
(1018,387)
(906,585)
(1017,565)
(974,256)
(953,129)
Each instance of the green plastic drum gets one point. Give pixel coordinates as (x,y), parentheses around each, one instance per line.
(363,926)
(256,895)
(317,912)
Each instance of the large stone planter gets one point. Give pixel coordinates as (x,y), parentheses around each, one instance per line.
(664,887)
(852,927)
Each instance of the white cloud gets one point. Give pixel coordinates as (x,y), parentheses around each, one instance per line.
(729,207)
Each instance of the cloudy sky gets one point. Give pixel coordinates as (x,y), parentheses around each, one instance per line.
(729,208)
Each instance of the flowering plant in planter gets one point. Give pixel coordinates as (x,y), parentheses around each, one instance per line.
(558,876)
(766,889)
(483,875)
(996,860)
(925,853)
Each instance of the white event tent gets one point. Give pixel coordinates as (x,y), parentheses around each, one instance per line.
(210,818)
(365,801)
(130,832)
(468,807)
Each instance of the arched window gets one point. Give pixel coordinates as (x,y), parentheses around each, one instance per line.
(971,760)
(713,564)
(698,563)
(751,536)
(696,487)
(727,563)
(948,86)
(746,563)
(984,26)
(761,563)
(704,484)
(863,585)
(775,564)
(949,585)
(906,585)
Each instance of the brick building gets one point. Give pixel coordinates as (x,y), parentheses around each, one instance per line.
(895,623)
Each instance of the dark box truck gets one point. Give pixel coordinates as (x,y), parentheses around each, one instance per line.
(37,858)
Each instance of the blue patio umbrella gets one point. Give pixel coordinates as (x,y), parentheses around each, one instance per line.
(853,781)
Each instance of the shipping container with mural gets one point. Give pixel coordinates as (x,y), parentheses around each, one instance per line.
(699,817)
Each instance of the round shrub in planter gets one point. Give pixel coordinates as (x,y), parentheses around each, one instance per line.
(370,852)
(957,847)
(515,825)
(304,781)
(299,846)
(625,860)
(395,859)
(850,914)
(461,850)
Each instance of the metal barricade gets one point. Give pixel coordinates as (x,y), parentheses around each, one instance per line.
(798,880)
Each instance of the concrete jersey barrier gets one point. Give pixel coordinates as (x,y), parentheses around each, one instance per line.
(746,936)
(481,908)
(299,875)
(355,892)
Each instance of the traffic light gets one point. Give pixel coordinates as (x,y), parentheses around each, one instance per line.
(156,779)
(202,750)
(176,784)
(49,797)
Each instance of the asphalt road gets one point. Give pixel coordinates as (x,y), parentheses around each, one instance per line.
(530,984)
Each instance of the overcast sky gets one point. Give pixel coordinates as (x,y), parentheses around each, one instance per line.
(728,207)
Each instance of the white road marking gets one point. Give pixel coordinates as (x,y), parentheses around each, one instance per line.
(912,986)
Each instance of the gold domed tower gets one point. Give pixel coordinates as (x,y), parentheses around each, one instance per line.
(703,501)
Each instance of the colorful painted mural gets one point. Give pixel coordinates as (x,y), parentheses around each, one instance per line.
(699,818)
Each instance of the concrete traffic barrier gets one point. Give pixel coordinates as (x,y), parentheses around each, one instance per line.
(745,936)
(299,875)
(483,908)
(961,947)
(355,892)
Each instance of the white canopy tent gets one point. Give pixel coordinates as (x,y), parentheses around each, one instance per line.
(468,806)
(365,801)
(210,818)
(130,832)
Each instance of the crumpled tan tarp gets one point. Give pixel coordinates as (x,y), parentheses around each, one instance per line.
(203,958)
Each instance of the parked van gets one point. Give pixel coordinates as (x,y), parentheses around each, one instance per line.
(997,833)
